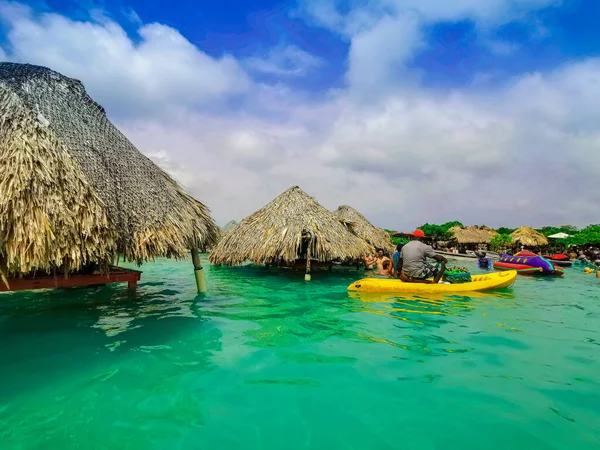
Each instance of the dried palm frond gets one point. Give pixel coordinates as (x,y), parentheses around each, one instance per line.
(377,237)
(529,237)
(472,234)
(74,190)
(278,232)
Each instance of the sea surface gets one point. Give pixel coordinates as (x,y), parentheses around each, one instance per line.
(269,361)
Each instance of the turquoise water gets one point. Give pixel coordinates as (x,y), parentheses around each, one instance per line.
(267,361)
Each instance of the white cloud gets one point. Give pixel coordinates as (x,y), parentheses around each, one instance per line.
(525,152)
(377,54)
(287,60)
(162,69)
(502,48)
(385,34)
(348,16)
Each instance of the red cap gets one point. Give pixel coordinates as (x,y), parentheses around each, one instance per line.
(418,233)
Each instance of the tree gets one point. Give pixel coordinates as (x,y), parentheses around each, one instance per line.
(500,241)
(396,240)
(504,230)
(568,229)
(588,236)
(439,232)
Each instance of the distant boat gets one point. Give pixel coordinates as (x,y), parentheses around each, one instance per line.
(469,256)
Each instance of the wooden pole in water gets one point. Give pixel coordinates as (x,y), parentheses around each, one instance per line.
(308,255)
(199,271)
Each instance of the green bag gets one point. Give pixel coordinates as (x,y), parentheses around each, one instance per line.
(457,275)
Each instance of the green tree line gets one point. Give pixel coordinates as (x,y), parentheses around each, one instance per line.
(589,235)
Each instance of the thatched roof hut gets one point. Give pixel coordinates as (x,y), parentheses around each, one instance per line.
(377,237)
(229,226)
(529,237)
(472,234)
(291,227)
(74,190)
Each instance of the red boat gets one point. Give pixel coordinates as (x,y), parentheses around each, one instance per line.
(559,259)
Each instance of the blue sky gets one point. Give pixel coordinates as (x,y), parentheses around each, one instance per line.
(407,109)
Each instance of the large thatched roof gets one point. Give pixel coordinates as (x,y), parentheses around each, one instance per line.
(276,233)
(529,237)
(364,229)
(74,190)
(472,234)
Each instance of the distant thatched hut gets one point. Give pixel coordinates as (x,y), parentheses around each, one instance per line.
(472,236)
(74,191)
(528,237)
(292,227)
(377,237)
(229,226)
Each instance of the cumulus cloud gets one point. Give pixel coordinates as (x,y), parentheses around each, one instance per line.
(286,60)
(162,68)
(527,151)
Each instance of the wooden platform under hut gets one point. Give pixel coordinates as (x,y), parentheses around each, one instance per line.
(112,275)
(75,192)
(291,229)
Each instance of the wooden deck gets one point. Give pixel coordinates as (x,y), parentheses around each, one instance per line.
(115,275)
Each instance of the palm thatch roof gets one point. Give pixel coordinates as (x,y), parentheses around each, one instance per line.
(529,237)
(74,190)
(377,237)
(284,228)
(472,234)
(229,226)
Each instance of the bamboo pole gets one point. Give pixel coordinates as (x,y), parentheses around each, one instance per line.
(199,271)
(307,276)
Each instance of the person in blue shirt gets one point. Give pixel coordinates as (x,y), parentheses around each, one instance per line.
(396,257)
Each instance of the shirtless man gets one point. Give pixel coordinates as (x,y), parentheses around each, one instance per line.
(380,259)
(386,269)
(369,261)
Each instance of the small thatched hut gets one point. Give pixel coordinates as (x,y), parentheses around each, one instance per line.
(292,227)
(377,237)
(528,237)
(472,235)
(74,191)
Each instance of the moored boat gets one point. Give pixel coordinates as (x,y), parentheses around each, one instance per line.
(483,282)
(527,263)
(559,259)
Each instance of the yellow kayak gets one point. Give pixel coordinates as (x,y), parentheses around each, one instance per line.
(493,280)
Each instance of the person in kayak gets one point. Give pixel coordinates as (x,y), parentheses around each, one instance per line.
(413,265)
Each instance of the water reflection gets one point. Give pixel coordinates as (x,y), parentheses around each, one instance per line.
(50,336)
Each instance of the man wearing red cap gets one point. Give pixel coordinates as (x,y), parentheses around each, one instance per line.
(413,262)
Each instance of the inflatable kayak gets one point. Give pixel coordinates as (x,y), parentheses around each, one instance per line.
(527,263)
(478,283)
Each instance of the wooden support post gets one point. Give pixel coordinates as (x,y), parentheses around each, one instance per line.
(199,271)
(132,285)
(308,255)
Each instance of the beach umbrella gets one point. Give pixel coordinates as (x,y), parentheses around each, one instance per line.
(559,236)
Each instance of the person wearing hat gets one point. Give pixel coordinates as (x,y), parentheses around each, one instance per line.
(413,265)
